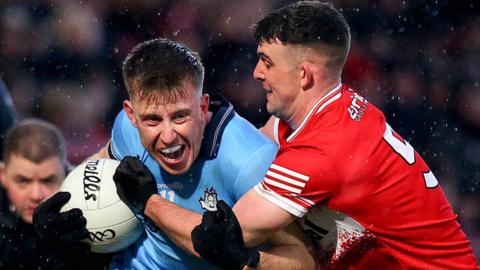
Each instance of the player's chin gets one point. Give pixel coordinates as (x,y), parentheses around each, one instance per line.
(177,169)
(27,216)
(176,166)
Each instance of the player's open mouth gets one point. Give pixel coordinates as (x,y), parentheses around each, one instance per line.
(174,152)
(269,92)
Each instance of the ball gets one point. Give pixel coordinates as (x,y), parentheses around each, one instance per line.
(333,232)
(112,225)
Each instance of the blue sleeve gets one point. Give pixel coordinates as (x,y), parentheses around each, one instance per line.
(125,140)
(253,171)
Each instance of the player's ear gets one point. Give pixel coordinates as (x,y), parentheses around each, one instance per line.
(204,102)
(128,108)
(306,76)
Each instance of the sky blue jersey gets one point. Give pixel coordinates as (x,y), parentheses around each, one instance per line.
(233,158)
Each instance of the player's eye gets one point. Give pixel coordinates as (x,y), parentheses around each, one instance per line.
(267,64)
(151,121)
(180,118)
(50,181)
(22,181)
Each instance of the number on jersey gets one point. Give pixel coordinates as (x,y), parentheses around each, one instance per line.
(406,151)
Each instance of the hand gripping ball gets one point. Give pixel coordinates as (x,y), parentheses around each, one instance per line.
(112,225)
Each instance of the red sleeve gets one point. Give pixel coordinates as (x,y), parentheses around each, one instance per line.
(298,179)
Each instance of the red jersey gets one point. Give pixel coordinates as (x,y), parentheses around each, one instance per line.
(346,157)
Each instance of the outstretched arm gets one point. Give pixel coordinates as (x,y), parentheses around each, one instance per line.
(168,217)
(288,249)
(284,249)
(136,186)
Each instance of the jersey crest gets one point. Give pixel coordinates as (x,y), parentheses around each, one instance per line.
(209,200)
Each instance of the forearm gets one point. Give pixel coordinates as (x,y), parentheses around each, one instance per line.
(260,224)
(284,258)
(288,249)
(168,217)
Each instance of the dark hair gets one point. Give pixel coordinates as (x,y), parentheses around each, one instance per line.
(35,140)
(160,67)
(307,23)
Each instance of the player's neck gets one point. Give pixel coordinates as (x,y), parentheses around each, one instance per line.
(308,100)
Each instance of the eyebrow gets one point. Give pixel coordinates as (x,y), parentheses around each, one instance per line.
(155,116)
(148,116)
(186,111)
(263,56)
(21,177)
(51,177)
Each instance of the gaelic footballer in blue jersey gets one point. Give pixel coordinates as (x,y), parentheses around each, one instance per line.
(181,152)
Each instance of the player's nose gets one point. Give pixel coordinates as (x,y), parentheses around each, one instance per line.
(258,72)
(37,192)
(168,134)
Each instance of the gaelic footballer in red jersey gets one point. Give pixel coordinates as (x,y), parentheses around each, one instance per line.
(346,157)
(337,151)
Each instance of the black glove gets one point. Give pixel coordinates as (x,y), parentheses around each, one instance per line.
(219,240)
(135,183)
(60,231)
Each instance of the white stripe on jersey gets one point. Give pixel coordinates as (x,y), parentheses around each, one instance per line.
(305,200)
(282,186)
(290,172)
(275,130)
(337,96)
(285,179)
(280,201)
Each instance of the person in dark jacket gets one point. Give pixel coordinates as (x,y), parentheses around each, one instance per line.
(33,232)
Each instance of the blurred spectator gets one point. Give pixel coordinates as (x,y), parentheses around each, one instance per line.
(7,114)
(418,61)
(34,169)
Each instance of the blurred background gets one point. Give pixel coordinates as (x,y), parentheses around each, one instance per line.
(418,61)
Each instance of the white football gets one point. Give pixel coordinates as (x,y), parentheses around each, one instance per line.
(333,231)
(112,225)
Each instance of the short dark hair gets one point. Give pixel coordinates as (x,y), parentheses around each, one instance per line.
(35,140)
(307,23)
(160,67)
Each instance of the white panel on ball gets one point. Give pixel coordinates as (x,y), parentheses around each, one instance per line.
(112,225)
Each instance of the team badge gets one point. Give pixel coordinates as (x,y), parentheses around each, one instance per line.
(209,200)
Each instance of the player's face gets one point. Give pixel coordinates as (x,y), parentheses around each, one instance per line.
(280,76)
(28,183)
(171,132)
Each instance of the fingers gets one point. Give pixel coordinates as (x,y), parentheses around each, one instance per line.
(132,166)
(196,238)
(211,217)
(204,243)
(226,212)
(68,216)
(233,231)
(132,162)
(53,204)
(127,171)
(74,236)
(70,220)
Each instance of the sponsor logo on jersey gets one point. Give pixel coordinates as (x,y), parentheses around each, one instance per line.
(357,107)
(209,200)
